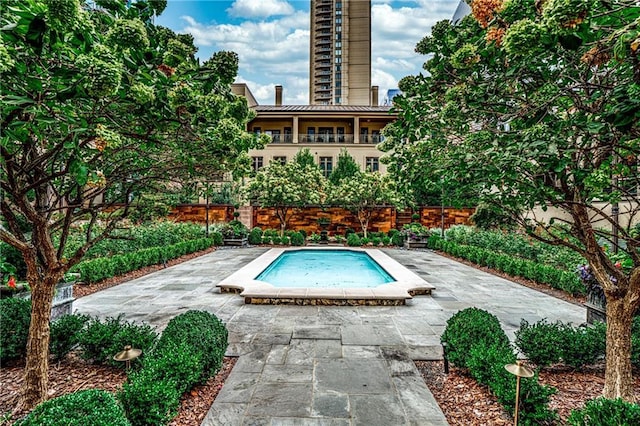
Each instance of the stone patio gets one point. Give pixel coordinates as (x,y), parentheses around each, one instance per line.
(327,365)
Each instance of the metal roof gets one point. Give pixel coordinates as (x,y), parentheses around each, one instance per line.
(322,108)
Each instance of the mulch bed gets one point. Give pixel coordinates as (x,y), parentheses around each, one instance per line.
(73,374)
(465,402)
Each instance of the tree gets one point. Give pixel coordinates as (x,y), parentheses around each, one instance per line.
(98,106)
(286,187)
(304,158)
(537,104)
(345,168)
(362,193)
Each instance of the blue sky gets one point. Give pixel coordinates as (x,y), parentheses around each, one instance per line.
(271,38)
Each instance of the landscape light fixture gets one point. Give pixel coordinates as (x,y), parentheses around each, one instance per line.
(127,355)
(519,371)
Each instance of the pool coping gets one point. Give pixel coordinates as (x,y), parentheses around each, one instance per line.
(406,285)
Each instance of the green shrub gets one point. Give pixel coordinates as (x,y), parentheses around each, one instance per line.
(266,239)
(386,240)
(397,239)
(585,345)
(364,241)
(216,237)
(297,239)
(100,340)
(95,270)
(88,407)
(203,332)
(64,334)
(15,317)
(353,240)
(606,412)
(486,365)
(467,328)
(545,344)
(180,362)
(148,400)
(255,236)
(276,240)
(303,232)
(541,342)
(376,241)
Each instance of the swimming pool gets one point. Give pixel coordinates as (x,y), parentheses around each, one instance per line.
(325,268)
(406,284)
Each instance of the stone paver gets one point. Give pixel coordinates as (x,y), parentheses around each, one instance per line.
(327,365)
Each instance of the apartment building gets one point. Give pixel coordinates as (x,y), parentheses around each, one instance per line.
(324,129)
(343,110)
(340,52)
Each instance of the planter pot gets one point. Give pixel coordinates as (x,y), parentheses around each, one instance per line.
(415,244)
(62,299)
(235,241)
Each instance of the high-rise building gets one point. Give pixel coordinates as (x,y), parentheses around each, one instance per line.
(340,53)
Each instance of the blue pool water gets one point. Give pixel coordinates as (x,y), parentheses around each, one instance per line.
(324,268)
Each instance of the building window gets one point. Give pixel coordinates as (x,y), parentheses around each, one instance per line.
(338,52)
(372,164)
(338,20)
(256,163)
(326,165)
(257,130)
(338,44)
(338,100)
(280,159)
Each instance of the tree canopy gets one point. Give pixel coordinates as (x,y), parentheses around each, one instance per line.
(361,193)
(99,105)
(295,184)
(526,104)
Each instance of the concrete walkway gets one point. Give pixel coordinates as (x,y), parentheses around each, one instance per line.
(329,365)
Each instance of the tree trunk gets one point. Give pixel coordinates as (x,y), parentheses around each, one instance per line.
(618,378)
(364,217)
(36,380)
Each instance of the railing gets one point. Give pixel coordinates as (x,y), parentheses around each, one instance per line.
(326,138)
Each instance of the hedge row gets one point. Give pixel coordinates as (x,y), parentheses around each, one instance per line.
(475,341)
(546,343)
(515,266)
(106,267)
(190,350)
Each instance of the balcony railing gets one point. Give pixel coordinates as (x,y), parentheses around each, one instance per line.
(326,138)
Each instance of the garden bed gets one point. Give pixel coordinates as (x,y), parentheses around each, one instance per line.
(467,403)
(74,374)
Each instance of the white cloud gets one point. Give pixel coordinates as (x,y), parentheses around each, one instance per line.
(259,8)
(272,42)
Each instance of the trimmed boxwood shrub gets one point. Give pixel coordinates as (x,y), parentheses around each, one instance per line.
(546,343)
(255,236)
(88,407)
(15,317)
(470,327)
(100,340)
(606,412)
(64,333)
(476,341)
(203,332)
(190,350)
(95,270)
(149,400)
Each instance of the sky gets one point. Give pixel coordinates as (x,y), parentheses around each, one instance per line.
(271,38)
